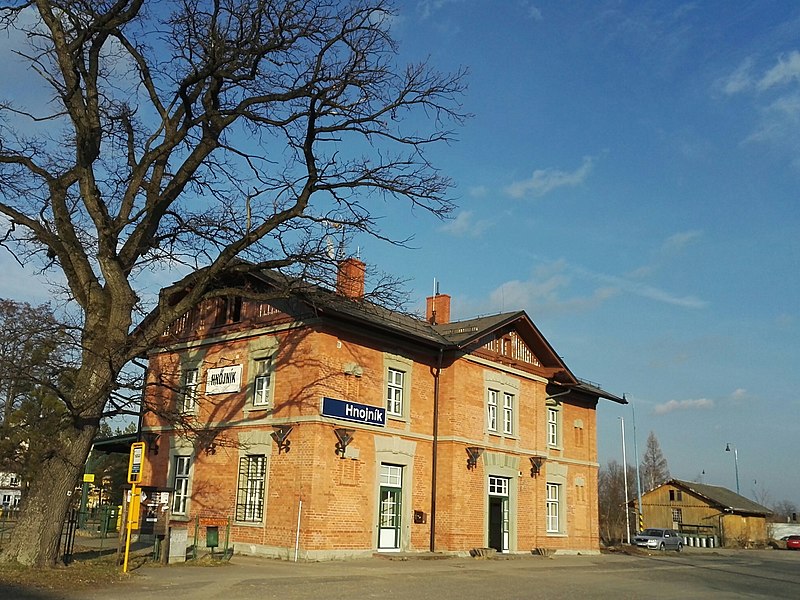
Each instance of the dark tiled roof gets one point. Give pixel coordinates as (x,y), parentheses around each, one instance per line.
(723,497)
(456,335)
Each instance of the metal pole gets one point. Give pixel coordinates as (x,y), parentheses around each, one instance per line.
(735,462)
(638,477)
(625,477)
(297,536)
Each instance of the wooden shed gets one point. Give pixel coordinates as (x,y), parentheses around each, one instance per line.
(711,513)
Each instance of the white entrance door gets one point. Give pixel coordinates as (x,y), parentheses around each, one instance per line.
(389,507)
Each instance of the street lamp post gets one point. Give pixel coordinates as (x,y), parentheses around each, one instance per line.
(735,463)
(625,479)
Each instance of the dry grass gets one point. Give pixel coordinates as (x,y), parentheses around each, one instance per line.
(80,574)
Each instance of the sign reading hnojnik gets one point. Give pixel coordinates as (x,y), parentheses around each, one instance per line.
(353,411)
(224,380)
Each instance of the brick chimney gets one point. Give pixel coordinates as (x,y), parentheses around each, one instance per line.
(438,309)
(350,278)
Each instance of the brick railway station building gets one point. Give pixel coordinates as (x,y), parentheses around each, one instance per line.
(327,426)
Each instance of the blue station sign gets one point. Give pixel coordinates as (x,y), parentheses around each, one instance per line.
(353,411)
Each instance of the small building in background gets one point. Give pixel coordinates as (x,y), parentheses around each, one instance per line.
(707,514)
(10,490)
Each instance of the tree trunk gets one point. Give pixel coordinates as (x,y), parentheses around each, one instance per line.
(36,537)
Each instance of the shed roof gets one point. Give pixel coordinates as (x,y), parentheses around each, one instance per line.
(723,498)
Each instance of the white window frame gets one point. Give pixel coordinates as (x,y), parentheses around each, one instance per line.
(391,475)
(180,498)
(189,389)
(395,379)
(552,426)
(498,486)
(491,409)
(262,382)
(508,413)
(553,508)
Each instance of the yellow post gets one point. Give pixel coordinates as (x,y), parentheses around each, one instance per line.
(132,514)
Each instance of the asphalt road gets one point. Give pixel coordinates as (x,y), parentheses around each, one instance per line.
(713,574)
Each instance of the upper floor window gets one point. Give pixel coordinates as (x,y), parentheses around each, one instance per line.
(491,409)
(229,310)
(191,379)
(552,426)
(261,381)
(508,413)
(394,391)
(675,495)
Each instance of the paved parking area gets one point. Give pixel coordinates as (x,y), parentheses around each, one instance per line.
(691,574)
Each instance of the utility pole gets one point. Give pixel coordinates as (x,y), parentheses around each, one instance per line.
(640,511)
(625,477)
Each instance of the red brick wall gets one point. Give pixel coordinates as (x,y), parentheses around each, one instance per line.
(339,495)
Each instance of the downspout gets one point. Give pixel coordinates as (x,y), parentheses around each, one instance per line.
(436,372)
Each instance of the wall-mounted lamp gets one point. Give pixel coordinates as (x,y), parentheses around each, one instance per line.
(537,462)
(280,436)
(211,449)
(151,439)
(473,454)
(345,436)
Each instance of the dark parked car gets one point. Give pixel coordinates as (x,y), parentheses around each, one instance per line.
(793,542)
(659,539)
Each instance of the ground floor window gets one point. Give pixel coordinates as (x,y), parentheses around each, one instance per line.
(553,513)
(181,484)
(250,491)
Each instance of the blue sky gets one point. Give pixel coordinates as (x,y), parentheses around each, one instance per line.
(629,178)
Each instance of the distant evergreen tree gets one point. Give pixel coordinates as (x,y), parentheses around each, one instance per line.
(653,469)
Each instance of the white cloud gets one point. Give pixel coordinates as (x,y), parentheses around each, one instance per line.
(646,291)
(786,71)
(673,405)
(466,225)
(427,7)
(532,11)
(740,80)
(779,120)
(543,181)
(680,240)
(478,191)
(550,290)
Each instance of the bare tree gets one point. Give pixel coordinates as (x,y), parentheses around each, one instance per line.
(222,136)
(611,501)
(653,468)
(784,511)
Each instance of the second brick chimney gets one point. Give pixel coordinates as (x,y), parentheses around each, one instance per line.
(438,309)
(350,278)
